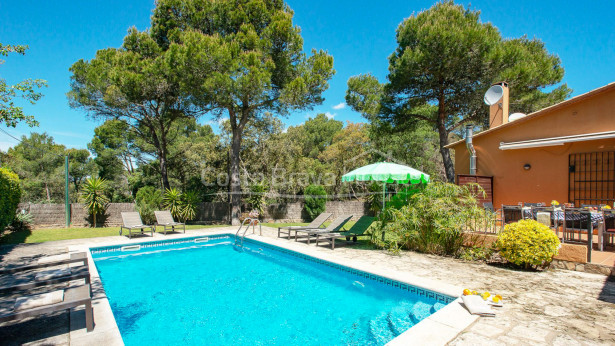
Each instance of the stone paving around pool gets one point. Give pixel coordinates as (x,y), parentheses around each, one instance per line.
(556,307)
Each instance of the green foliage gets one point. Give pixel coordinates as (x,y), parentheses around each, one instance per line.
(190,200)
(434,219)
(315,200)
(11,114)
(22,222)
(318,133)
(11,194)
(148,200)
(172,200)
(257,198)
(445,60)
(477,253)
(39,162)
(242,58)
(94,197)
(528,243)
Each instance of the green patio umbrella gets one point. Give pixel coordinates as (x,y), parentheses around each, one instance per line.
(387,172)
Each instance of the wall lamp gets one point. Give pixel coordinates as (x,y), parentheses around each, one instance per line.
(527,166)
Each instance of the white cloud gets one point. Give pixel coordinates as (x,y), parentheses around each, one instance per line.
(340,106)
(330,116)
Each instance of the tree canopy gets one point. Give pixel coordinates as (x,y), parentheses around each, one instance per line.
(445,60)
(249,53)
(10,113)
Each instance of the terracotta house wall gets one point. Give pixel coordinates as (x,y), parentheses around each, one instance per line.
(548,177)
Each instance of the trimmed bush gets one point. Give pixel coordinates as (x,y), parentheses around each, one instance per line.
(10,193)
(315,200)
(528,243)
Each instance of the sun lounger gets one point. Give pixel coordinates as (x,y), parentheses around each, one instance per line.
(132,220)
(9,283)
(333,227)
(47,261)
(32,306)
(165,219)
(315,224)
(359,229)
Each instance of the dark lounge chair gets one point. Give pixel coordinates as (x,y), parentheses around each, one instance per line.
(333,227)
(359,229)
(47,261)
(315,224)
(72,297)
(9,283)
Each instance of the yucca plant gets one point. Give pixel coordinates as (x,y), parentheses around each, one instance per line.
(191,203)
(172,200)
(93,195)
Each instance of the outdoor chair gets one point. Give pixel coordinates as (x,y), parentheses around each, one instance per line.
(333,227)
(359,229)
(165,219)
(608,229)
(577,222)
(132,220)
(315,224)
(40,304)
(47,261)
(25,281)
(511,213)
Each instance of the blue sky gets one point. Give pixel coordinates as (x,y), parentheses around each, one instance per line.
(359,34)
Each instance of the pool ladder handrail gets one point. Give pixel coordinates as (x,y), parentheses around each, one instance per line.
(247,222)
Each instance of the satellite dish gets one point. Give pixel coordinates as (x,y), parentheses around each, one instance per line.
(494,94)
(516,116)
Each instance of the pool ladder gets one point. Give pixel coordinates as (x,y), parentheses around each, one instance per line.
(245,227)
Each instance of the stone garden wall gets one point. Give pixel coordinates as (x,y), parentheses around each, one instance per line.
(52,215)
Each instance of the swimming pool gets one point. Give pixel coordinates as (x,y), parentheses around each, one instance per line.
(201,290)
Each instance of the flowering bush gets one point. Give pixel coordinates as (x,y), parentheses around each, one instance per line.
(554,203)
(528,243)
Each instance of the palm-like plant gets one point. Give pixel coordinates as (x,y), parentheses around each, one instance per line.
(94,199)
(172,200)
(191,202)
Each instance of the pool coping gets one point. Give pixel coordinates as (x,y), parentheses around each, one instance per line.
(437,329)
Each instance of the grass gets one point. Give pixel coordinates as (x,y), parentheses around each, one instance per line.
(51,234)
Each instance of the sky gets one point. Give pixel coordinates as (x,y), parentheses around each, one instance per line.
(360,35)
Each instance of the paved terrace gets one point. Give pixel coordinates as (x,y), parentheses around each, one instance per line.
(557,307)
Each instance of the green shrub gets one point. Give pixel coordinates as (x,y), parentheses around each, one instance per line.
(172,200)
(433,221)
(94,199)
(190,200)
(257,200)
(315,200)
(528,243)
(148,200)
(22,222)
(10,194)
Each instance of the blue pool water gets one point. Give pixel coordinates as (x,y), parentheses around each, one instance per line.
(209,293)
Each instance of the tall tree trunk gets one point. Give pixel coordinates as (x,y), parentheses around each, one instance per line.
(234,172)
(449,167)
(47,190)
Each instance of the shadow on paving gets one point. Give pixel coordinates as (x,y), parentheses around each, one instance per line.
(51,329)
(608,291)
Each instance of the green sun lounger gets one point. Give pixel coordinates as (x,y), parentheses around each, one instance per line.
(359,229)
(333,227)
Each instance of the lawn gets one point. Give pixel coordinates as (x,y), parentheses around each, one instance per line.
(51,234)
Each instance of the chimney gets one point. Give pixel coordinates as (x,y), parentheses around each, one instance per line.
(498,112)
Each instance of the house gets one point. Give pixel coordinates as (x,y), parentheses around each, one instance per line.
(565,152)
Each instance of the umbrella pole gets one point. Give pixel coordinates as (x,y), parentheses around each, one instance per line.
(384,193)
